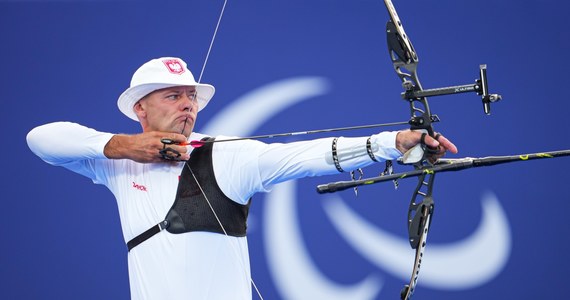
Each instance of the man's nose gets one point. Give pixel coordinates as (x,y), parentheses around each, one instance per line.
(187,102)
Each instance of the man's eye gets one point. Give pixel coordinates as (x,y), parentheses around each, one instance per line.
(173,97)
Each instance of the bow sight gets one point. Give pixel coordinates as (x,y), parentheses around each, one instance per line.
(405,60)
(480,87)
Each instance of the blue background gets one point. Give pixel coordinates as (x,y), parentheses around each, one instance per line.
(60,235)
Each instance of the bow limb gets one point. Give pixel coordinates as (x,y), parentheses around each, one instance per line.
(405,61)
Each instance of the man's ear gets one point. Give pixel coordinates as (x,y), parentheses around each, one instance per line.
(139,110)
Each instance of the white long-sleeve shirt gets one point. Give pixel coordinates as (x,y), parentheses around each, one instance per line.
(194,265)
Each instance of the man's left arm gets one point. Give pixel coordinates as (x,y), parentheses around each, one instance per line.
(281,162)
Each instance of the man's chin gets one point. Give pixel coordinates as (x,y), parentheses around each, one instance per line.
(185,127)
(186,131)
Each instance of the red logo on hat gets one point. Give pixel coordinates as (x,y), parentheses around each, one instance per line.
(174,66)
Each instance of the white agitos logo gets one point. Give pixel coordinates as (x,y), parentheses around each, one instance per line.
(464,264)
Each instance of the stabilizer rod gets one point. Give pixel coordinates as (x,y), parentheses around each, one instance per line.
(442,165)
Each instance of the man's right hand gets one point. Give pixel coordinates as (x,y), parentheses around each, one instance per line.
(144,147)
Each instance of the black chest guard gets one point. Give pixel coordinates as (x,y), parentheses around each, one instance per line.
(191,211)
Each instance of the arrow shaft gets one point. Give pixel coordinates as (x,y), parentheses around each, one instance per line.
(266,136)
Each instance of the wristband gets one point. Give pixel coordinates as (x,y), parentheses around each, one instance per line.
(369,150)
(335,156)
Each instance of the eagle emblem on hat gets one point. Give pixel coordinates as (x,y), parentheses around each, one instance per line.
(174,66)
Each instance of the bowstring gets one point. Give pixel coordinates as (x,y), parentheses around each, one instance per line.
(224,230)
(191,172)
(212,41)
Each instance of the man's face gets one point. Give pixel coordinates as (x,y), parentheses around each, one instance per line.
(171,109)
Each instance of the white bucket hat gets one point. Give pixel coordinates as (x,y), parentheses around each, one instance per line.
(158,74)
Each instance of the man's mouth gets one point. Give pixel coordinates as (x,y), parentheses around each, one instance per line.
(185,120)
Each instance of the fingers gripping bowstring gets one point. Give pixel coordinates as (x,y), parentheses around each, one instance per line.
(194,176)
